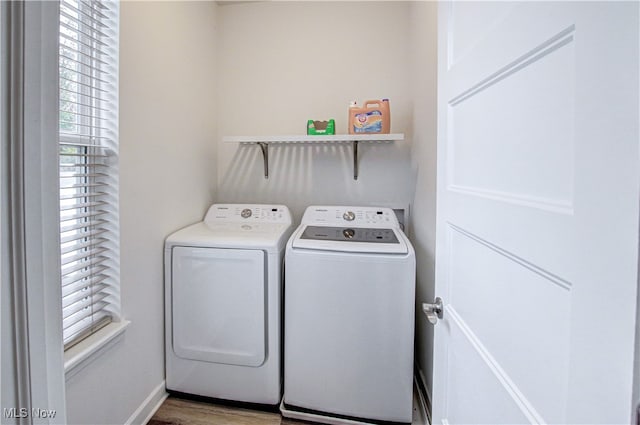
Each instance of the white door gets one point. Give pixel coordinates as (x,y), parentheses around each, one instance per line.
(538,170)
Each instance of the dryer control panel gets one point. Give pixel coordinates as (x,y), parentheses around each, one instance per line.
(248,213)
(350,216)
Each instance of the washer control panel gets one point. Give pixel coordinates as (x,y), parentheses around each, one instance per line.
(357,234)
(350,216)
(248,213)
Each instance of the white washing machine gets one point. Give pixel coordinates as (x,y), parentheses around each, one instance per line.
(223,291)
(349,317)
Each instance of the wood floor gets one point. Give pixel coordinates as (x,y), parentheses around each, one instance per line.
(176,411)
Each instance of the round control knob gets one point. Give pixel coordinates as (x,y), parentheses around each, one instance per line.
(349,216)
(246,213)
(348,233)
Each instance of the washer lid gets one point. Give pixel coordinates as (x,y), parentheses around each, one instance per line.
(350,239)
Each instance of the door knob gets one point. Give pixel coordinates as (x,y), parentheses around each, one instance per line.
(434,311)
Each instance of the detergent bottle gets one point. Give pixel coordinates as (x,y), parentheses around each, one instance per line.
(373,117)
(354,110)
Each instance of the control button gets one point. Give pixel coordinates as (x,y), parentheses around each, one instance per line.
(246,213)
(349,216)
(246,227)
(348,233)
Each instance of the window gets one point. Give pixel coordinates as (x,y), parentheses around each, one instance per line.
(88,161)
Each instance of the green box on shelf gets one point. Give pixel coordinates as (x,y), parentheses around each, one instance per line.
(321,128)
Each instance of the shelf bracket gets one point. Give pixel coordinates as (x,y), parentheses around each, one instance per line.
(355,160)
(264,147)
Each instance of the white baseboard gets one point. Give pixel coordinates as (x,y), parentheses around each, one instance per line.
(149,406)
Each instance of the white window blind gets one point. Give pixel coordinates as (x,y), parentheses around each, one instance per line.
(89,231)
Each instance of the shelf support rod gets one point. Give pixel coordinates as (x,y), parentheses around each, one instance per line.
(264,147)
(355,160)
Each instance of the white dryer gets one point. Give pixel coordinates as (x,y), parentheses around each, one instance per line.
(223,291)
(349,317)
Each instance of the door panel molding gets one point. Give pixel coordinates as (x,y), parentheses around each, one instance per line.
(516,310)
(550,205)
(545,48)
(562,283)
(499,134)
(501,376)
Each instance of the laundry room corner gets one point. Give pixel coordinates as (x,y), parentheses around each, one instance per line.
(168,173)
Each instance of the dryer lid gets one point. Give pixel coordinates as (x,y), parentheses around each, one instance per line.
(264,236)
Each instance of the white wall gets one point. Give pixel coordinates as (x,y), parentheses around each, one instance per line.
(423,157)
(167,177)
(281,63)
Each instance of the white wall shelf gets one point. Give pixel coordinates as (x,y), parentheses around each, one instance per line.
(264,141)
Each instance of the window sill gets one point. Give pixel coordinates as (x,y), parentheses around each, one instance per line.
(85,352)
